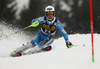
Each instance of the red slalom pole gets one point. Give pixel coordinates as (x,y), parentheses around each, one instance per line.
(91,22)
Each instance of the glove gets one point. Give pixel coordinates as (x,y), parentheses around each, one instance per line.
(35,23)
(69,44)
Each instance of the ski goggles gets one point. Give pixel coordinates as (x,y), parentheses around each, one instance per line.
(51,12)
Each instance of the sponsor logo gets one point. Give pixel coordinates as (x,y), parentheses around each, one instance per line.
(59,26)
(64,31)
(49,8)
(48,27)
(41,19)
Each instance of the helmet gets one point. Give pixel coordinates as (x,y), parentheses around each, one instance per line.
(50,10)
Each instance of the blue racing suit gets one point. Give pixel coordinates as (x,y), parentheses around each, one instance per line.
(48,28)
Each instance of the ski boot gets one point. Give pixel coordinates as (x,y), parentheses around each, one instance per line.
(14,54)
(47,48)
(41,50)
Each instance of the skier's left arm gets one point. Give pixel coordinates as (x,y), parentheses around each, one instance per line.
(64,33)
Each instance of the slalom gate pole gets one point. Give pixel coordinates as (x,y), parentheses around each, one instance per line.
(91,22)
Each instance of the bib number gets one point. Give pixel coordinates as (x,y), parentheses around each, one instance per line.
(47,31)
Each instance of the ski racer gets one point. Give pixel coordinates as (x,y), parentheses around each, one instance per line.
(49,24)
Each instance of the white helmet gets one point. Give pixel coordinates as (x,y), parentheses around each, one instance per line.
(50,9)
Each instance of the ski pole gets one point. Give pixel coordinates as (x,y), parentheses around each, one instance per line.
(80,45)
(34,24)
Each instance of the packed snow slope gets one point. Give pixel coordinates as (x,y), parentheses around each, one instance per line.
(60,57)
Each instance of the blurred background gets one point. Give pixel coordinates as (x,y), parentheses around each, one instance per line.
(73,14)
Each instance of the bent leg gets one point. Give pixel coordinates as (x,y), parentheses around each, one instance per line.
(24,47)
(19,50)
(30,45)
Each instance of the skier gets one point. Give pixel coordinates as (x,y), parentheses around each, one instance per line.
(44,38)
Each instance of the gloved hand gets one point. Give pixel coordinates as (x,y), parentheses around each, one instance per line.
(35,23)
(69,44)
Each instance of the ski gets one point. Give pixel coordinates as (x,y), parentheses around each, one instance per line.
(38,48)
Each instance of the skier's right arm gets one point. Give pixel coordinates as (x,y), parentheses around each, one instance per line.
(40,19)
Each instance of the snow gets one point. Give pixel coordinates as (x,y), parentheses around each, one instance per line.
(60,57)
